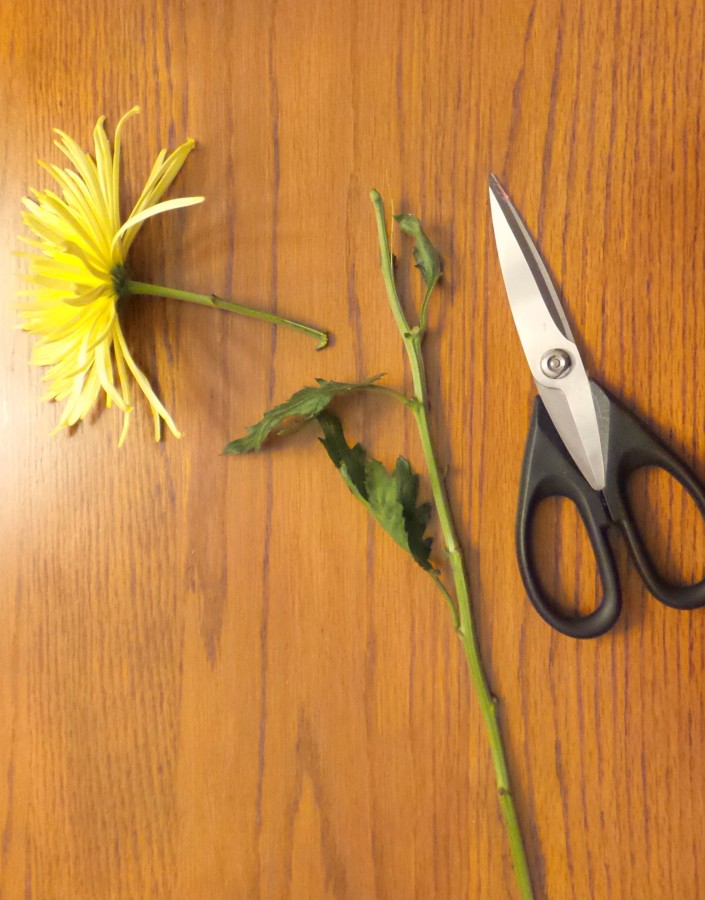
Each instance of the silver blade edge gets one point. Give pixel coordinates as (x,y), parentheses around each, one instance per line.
(534,303)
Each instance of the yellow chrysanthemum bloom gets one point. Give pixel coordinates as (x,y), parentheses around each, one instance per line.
(79,274)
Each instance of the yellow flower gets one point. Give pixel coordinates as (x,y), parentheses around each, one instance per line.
(79,274)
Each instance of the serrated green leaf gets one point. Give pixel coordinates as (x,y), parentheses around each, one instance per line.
(389,496)
(426,257)
(305,404)
(349,460)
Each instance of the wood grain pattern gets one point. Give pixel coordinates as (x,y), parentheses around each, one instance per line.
(218,679)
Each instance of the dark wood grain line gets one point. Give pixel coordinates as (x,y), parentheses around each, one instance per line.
(353,303)
(537,857)
(484,397)
(399,110)
(580,710)
(518,93)
(357,42)
(631,636)
(559,768)
(28,871)
(695,750)
(449,259)
(548,141)
(440,850)
(602,761)
(376,855)
(596,87)
(609,206)
(411,677)
(423,166)
(264,645)
(693,195)
(11,738)
(9,815)
(351,224)
(572,152)
(166,34)
(309,766)
(273,98)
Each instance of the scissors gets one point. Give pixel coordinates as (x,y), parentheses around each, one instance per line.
(582,443)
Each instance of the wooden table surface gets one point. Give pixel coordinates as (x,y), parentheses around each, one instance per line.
(218,678)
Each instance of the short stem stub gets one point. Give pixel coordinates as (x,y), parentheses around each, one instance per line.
(156,290)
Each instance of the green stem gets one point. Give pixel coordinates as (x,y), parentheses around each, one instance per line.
(465,625)
(448,598)
(423,316)
(157,290)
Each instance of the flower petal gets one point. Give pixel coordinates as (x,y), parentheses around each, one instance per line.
(156,210)
(158,410)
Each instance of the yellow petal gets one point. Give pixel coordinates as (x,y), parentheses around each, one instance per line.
(116,165)
(156,210)
(158,409)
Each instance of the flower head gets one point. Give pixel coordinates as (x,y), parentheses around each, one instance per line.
(78,275)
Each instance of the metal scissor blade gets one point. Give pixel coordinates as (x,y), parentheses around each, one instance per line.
(547,339)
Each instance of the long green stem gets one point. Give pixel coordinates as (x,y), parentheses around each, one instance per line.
(465,625)
(157,290)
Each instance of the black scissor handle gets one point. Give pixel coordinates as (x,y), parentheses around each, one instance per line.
(549,471)
(632,446)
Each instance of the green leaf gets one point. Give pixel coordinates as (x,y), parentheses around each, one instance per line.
(289,416)
(426,257)
(389,496)
(349,460)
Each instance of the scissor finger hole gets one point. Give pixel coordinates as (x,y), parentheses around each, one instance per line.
(669,524)
(563,558)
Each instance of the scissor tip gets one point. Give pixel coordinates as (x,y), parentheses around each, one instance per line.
(496,187)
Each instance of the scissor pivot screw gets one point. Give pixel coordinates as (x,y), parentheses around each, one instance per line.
(556,363)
